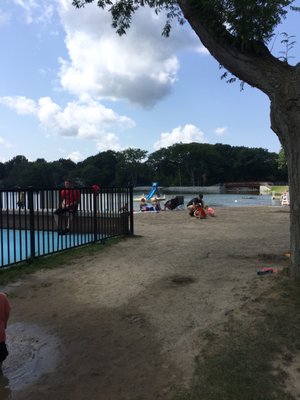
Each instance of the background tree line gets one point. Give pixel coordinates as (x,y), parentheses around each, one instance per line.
(190,164)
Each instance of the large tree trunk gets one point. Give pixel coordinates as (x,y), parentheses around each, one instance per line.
(294,185)
(285,119)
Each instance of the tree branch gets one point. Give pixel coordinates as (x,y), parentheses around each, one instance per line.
(250,64)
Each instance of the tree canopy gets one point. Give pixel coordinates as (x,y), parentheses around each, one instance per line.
(240,21)
(193,164)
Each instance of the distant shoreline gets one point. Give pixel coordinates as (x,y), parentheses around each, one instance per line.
(195,189)
(215,189)
(182,189)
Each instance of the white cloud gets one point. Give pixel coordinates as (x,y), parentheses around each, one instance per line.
(20,104)
(36,11)
(75,156)
(187,134)
(46,15)
(82,120)
(221,131)
(109,141)
(202,50)
(140,66)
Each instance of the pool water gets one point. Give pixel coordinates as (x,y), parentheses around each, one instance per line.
(15,245)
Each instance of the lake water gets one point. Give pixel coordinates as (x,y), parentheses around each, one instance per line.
(224,200)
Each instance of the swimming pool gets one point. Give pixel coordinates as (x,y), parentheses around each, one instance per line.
(16,245)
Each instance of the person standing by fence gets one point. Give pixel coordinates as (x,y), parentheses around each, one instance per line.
(69,201)
(21,199)
(4,315)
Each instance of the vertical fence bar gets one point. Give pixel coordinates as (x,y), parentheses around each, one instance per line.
(101,211)
(95,213)
(7,229)
(131,230)
(36,207)
(14,236)
(1,231)
(31,224)
(21,205)
(26,226)
(54,243)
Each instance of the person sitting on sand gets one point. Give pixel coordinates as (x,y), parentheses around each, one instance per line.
(156,205)
(144,206)
(194,203)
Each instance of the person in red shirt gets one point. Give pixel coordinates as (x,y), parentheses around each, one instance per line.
(69,200)
(200,212)
(4,315)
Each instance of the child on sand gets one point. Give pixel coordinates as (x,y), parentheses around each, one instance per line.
(144,206)
(209,211)
(4,315)
(200,212)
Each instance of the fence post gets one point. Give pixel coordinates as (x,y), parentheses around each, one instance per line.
(31,224)
(131,210)
(95,217)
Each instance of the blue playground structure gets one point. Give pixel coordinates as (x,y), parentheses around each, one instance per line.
(153,190)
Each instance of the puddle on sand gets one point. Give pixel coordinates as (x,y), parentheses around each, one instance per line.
(32,353)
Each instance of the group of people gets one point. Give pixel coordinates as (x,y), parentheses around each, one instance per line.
(197,208)
(144,206)
(70,197)
(155,205)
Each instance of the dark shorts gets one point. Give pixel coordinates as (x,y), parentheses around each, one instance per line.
(3,351)
(64,210)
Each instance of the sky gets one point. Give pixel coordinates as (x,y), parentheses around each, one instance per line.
(71,87)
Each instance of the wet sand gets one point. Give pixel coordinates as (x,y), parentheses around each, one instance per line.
(126,324)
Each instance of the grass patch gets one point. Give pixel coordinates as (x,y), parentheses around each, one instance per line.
(19,271)
(242,362)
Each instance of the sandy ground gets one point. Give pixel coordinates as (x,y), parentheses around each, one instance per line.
(126,324)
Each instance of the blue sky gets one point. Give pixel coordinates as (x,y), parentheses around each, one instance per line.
(70,87)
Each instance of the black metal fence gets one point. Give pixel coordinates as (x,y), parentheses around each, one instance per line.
(30,228)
